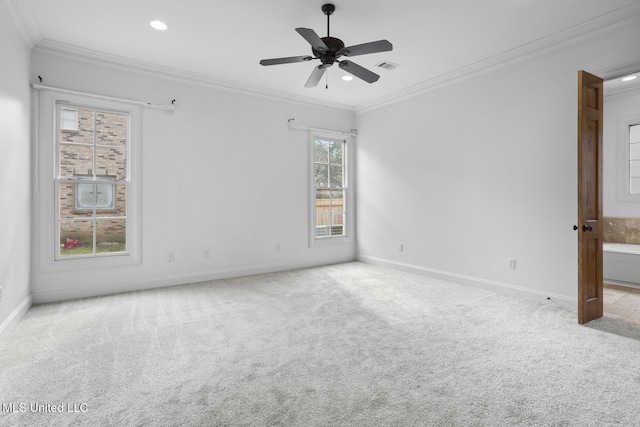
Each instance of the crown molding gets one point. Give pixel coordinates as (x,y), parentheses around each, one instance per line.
(543,45)
(21,15)
(53,48)
(622,90)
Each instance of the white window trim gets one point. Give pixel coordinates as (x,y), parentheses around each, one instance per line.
(46,191)
(623,159)
(349,178)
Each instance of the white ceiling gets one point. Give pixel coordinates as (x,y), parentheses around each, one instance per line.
(224,40)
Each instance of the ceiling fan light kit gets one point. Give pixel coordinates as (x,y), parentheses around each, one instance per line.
(328,49)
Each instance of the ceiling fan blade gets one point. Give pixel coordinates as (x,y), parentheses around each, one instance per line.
(288,60)
(312,37)
(358,71)
(315,76)
(371,47)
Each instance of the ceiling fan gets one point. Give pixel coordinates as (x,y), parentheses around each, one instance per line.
(329,49)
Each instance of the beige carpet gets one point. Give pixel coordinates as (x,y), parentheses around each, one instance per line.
(344,345)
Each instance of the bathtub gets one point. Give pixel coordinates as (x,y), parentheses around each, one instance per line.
(621,264)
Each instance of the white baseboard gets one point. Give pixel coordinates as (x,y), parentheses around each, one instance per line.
(12,321)
(179,279)
(502,288)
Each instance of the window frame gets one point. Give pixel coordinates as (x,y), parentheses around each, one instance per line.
(348,186)
(47,184)
(624,178)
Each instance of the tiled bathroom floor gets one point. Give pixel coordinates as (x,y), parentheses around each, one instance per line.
(621,302)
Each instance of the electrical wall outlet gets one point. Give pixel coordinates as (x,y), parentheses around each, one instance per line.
(277,246)
(400,247)
(511,263)
(171,257)
(206,254)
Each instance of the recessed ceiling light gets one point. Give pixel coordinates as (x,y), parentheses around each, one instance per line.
(158,25)
(629,78)
(347,78)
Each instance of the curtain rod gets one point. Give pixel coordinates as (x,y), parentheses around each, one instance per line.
(354,132)
(108,98)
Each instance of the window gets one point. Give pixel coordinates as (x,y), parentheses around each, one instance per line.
(87,187)
(629,159)
(92,181)
(329,192)
(634,159)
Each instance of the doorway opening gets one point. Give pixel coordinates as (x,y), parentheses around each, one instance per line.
(621,197)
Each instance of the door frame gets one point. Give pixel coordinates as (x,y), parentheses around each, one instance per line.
(608,73)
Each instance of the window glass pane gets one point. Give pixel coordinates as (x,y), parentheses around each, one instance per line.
(119,207)
(634,168)
(634,151)
(634,186)
(76,238)
(336,152)
(105,197)
(323,196)
(321,149)
(68,203)
(111,235)
(323,211)
(321,176)
(337,200)
(323,227)
(74,160)
(68,119)
(111,129)
(85,196)
(335,176)
(634,133)
(86,120)
(83,134)
(111,162)
(337,227)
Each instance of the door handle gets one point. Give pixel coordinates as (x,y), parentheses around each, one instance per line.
(587,228)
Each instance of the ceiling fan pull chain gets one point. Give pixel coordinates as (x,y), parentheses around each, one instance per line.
(327,79)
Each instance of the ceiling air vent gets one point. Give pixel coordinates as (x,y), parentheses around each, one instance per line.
(387,65)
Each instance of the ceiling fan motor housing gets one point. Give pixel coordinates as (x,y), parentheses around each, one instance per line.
(329,56)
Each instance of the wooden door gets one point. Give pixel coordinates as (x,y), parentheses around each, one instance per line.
(590,107)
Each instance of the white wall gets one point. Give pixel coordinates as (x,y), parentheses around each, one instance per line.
(223,173)
(617,107)
(484,169)
(15,173)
